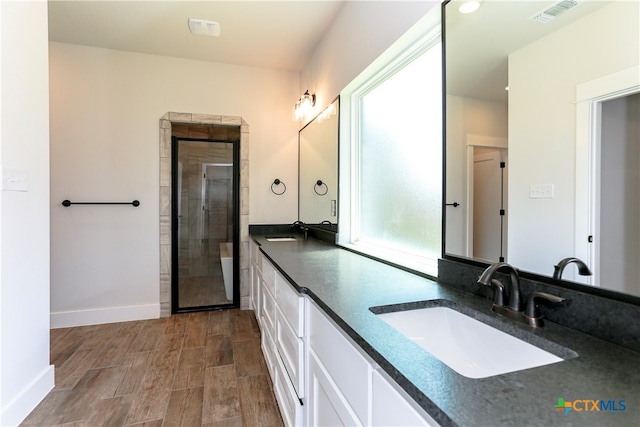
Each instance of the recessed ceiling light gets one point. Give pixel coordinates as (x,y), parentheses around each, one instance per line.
(469,6)
(204,28)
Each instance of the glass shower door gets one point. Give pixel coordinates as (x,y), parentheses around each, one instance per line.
(205,211)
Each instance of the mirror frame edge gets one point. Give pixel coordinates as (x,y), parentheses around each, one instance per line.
(566,284)
(443,78)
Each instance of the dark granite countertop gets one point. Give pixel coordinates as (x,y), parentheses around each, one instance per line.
(346,285)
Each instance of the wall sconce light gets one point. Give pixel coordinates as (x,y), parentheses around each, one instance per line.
(302,109)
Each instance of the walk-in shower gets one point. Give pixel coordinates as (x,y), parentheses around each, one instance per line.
(205,223)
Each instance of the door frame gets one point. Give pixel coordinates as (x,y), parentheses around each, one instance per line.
(166,123)
(175,299)
(589,98)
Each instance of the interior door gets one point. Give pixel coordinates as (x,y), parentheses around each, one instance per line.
(489,204)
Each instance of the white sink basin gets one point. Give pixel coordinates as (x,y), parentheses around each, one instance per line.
(466,345)
(281,239)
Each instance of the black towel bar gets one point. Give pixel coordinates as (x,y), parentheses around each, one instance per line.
(67,203)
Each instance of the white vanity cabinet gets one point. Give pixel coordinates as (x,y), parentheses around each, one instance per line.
(290,332)
(289,342)
(339,376)
(347,388)
(280,314)
(391,406)
(320,376)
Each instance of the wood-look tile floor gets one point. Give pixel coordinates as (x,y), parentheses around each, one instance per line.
(195,369)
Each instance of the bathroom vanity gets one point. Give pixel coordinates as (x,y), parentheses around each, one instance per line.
(334,361)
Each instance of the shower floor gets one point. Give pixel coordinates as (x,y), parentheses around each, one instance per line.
(197,291)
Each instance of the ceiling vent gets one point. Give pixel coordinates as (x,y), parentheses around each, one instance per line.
(204,28)
(553,11)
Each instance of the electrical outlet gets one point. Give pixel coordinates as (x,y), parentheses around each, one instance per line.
(541,191)
(14,180)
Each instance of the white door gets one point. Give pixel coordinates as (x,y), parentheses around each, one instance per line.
(489,204)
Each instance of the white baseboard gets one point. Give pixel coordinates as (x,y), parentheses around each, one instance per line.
(66,319)
(17,410)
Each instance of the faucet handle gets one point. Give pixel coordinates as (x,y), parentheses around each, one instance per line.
(532,311)
(500,292)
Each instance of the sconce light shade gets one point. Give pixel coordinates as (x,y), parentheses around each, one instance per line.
(304,106)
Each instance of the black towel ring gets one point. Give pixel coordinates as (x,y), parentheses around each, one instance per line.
(319,183)
(277,182)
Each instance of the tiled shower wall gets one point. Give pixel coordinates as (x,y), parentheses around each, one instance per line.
(191,125)
(204,222)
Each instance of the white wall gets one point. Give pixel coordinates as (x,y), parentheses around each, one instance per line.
(105,107)
(361,32)
(542,126)
(105,110)
(25,374)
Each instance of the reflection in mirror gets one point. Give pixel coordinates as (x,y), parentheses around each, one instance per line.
(318,182)
(551,91)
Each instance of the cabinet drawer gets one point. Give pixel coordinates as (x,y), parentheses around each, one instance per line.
(269,275)
(291,303)
(291,350)
(267,310)
(349,370)
(290,406)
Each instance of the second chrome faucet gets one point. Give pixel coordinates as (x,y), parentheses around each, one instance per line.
(514,308)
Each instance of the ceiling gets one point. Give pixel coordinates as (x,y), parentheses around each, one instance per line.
(478,44)
(277,35)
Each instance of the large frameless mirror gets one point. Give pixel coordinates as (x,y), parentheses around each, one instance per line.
(543,135)
(318,180)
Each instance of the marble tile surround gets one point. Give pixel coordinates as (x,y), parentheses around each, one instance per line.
(166,122)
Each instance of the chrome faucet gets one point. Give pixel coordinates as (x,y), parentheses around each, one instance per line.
(583,270)
(515,299)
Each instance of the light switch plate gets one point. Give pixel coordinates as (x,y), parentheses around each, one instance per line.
(14,180)
(541,191)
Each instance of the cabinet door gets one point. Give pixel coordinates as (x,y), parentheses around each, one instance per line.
(344,362)
(326,404)
(392,407)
